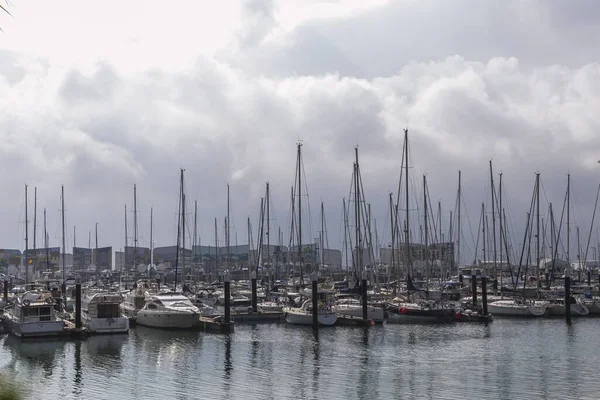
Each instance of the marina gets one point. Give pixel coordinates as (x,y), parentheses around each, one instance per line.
(511,358)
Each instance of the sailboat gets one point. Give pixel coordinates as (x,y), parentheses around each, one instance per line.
(302,315)
(416,311)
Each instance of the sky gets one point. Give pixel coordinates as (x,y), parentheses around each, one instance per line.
(99,96)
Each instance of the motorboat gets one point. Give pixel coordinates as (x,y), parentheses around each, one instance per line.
(34,314)
(557,308)
(101,313)
(168,310)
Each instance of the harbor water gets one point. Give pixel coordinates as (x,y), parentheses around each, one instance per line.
(508,359)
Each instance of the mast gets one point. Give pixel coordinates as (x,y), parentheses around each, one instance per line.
(493,224)
(64,249)
(500,212)
(268,234)
(357,217)
(322,238)
(151,241)
(125,255)
(483,223)
(135,230)
(194,249)
(26,242)
(458,222)
(34,228)
(392,259)
(568,220)
(345,234)
(300,258)
(228,231)
(216,248)
(407,254)
(46,243)
(179,214)
(96,252)
(537,235)
(74,236)
(424,257)
(182,230)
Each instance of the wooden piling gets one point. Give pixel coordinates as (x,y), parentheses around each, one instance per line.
(567,298)
(254,294)
(474,287)
(78,306)
(227,279)
(484,295)
(315,301)
(364,295)
(5,290)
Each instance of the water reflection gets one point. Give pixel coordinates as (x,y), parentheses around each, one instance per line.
(35,353)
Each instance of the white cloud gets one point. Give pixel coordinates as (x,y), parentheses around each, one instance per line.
(102,112)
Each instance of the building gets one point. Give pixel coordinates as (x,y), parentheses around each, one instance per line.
(143,255)
(102,258)
(82,258)
(437,256)
(119,260)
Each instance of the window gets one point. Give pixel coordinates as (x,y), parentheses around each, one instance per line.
(108,311)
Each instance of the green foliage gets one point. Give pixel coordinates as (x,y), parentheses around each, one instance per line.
(9,390)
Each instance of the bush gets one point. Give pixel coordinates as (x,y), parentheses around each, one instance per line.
(9,390)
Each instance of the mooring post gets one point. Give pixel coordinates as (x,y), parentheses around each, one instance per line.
(484,294)
(315,301)
(227,280)
(460,279)
(567,296)
(364,294)
(158,284)
(78,305)
(254,296)
(589,277)
(5,290)
(474,287)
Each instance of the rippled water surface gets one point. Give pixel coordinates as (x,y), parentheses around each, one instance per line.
(508,359)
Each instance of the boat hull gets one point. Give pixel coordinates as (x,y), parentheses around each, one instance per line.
(107,325)
(516,310)
(172,320)
(577,310)
(299,317)
(416,317)
(374,313)
(36,329)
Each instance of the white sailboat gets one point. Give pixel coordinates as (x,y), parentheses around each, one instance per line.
(516,308)
(303,315)
(353,308)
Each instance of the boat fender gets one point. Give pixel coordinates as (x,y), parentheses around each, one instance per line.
(458,315)
(402,310)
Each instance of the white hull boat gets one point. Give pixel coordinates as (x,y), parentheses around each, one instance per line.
(512,308)
(376,314)
(100,313)
(304,316)
(34,315)
(169,310)
(577,309)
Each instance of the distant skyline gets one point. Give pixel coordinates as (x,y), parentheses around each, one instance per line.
(100,96)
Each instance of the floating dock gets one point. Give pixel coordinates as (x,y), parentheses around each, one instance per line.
(259,316)
(350,320)
(208,324)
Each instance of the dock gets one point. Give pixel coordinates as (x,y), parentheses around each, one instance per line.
(259,316)
(208,324)
(350,320)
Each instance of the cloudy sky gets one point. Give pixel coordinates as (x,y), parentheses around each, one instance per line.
(99,96)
